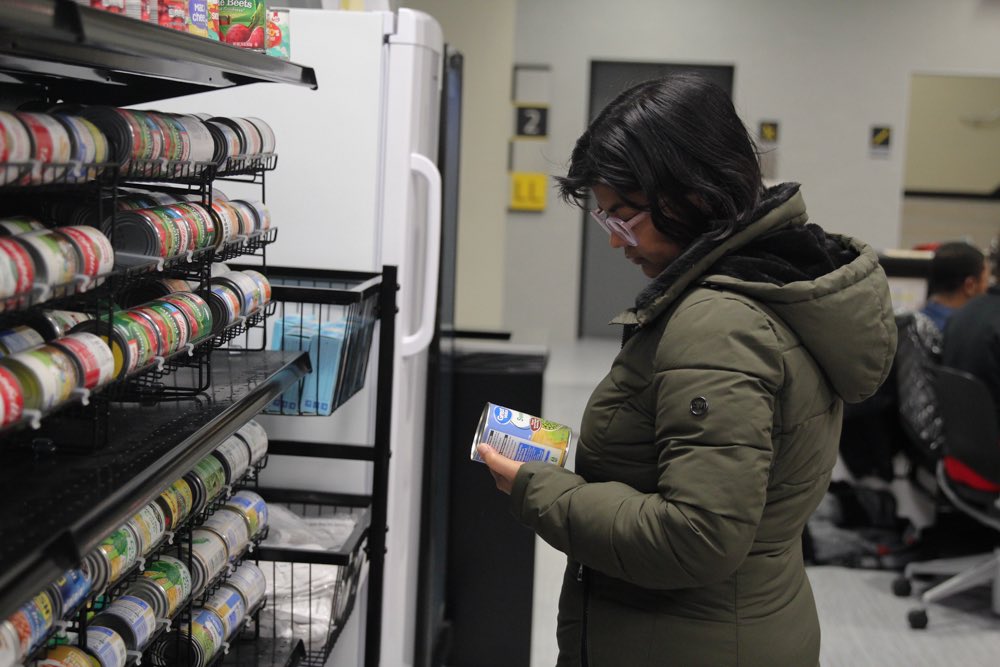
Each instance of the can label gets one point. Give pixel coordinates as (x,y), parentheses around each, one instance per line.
(262,283)
(66,319)
(139,336)
(93,355)
(179,501)
(137,613)
(522,437)
(142,144)
(167,332)
(58,255)
(54,371)
(256,438)
(207,630)
(151,133)
(11,397)
(173,14)
(21,265)
(20,224)
(177,322)
(278,34)
(236,453)
(18,339)
(33,621)
(210,470)
(67,656)
(107,645)
(173,577)
(234,529)
(253,507)
(212,550)
(122,549)
(71,588)
(95,249)
(149,525)
(249,581)
(197,310)
(230,607)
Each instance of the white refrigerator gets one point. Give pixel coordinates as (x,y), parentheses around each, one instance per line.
(356,187)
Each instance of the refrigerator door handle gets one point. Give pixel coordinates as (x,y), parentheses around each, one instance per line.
(415,342)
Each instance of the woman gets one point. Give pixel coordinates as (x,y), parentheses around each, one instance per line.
(710,442)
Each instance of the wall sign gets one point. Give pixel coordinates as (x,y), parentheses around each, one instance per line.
(532,121)
(880,139)
(768,131)
(527,191)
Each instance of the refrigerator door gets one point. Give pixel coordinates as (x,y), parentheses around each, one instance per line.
(410,240)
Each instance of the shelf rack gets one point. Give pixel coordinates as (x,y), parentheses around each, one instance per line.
(48,527)
(77,54)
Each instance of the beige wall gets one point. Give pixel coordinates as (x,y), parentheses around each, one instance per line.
(483,30)
(946,149)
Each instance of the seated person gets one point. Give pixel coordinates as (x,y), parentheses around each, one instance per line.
(959,273)
(972,340)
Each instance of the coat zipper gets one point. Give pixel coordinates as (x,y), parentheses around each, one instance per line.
(581,576)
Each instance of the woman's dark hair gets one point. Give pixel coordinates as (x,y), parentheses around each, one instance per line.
(953,262)
(679,141)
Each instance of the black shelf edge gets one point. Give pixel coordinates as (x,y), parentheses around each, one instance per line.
(86,55)
(321,450)
(84,498)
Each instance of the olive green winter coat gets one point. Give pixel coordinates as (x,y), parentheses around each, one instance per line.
(704,451)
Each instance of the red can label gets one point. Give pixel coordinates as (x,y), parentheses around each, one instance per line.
(23,266)
(11,398)
(93,355)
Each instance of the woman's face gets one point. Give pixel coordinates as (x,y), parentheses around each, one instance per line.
(653,251)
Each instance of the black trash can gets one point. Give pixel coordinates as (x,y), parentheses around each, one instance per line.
(491,557)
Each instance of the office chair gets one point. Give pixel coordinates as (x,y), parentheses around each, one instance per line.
(968,475)
(917,352)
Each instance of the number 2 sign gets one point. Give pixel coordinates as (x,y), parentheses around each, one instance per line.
(532,121)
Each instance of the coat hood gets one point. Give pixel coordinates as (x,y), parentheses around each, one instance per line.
(829,289)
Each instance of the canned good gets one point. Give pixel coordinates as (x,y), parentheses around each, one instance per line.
(53,324)
(107,646)
(267,135)
(260,214)
(168,332)
(19,339)
(69,656)
(253,507)
(47,376)
(176,502)
(10,644)
(179,328)
(202,144)
(254,141)
(165,585)
(182,224)
(194,649)
(19,224)
(251,584)
(68,591)
(97,569)
(249,222)
(234,529)
(173,14)
(263,283)
(179,139)
(97,257)
(230,136)
(209,557)
(149,525)
(87,145)
(93,358)
(234,454)
(203,224)
(50,144)
(521,437)
(121,551)
(224,302)
(197,313)
(16,148)
(211,472)
(11,397)
(33,621)
(247,287)
(131,617)
(17,268)
(229,605)
(54,256)
(256,438)
(131,342)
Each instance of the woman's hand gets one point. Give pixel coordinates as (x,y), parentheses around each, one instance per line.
(503,469)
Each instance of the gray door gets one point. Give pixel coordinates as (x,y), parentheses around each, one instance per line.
(609,284)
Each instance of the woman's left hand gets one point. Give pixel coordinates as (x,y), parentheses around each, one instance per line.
(503,469)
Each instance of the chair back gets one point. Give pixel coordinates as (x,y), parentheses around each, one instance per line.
(970,421)
(919,414)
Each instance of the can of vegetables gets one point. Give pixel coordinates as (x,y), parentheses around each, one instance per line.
(243,23)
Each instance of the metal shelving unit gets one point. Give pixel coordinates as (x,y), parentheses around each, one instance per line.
(63,51)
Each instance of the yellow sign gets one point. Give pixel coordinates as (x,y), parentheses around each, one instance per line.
(769,131)
(527,191)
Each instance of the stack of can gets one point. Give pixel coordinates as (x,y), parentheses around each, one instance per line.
(209,557)
(113,558)
(106,646)
(166,231)
(176,501)
(149,525)
(131,618)
(140,141)
(43,147)
(236,294)
(255,436)
(234,455)
(206,479)
(251,507)
(53,257)
(165,585)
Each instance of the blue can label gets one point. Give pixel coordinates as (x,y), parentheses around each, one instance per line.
(522,437)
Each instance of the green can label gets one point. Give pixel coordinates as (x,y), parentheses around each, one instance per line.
(243,23)
(211,472)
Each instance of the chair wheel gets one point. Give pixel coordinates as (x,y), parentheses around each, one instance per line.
(917,619)
(901,587)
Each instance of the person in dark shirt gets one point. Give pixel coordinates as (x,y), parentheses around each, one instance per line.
(958,273)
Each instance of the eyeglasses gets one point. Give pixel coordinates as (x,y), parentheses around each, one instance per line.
(615,225)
